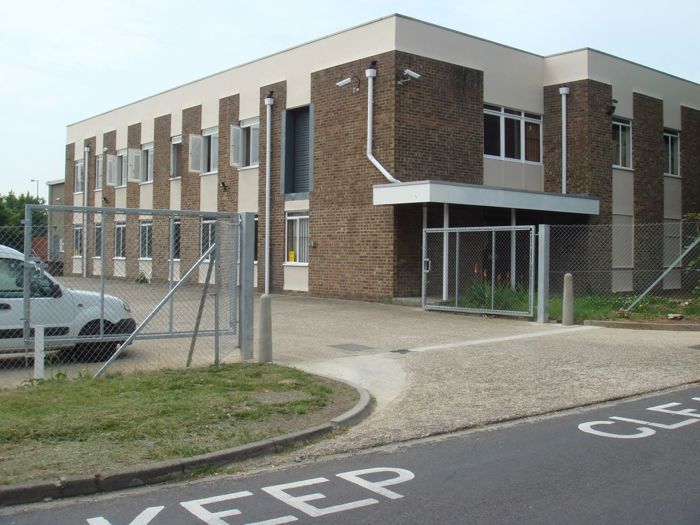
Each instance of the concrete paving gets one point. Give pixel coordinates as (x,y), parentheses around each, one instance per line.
(434,372)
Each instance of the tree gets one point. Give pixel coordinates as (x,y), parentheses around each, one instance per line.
(11,216)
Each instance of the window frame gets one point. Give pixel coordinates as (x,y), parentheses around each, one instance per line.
(622,124)
(146,225)
(674,137)
(176,156)
(119,231)
(97,243)
(210,163)
(121,169)
(147,163)
(78,248)
(78,176)
(523,118)
(99,165)
(210,225)
(296,217)
(177,240)
(247,144)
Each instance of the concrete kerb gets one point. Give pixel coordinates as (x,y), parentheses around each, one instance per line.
(644,325)
(173,469)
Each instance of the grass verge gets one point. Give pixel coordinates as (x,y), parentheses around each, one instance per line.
(62,427)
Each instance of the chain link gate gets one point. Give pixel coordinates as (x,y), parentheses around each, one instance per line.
(487,270)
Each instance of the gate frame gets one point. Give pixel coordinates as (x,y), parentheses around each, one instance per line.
(469,229)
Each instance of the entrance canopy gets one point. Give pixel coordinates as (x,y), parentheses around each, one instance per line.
(444,192)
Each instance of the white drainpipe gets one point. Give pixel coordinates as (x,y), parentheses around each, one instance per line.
(563,91)
(86,175)
(269,101)
(371,72)
(445,252)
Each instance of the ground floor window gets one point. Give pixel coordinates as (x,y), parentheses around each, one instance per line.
(97,240)
(208,235)
(297,237)
(146,239)
(177,229)
(78,240)
(120,240)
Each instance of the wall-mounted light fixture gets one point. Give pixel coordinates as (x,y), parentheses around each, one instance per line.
(354,80)
(223,185)
(611,106)
(406,76)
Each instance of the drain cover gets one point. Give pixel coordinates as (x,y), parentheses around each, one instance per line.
(401,351)
(352,347)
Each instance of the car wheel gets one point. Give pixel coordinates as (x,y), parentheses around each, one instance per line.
(94,351)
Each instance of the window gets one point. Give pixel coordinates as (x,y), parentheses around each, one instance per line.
(78,179)
(175,156)
(98,172)
(77,240)
(297,237)
(622,143)
(147,162)
(255,241)
(512,134)
(119,240)
(121,168)
(671,153)
(297,150)
(145,239)
(204,151)
(208,235)
(245,143)
(176,240)
(97,240)
(11,279)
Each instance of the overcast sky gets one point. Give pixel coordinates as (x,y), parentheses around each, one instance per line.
(63,61)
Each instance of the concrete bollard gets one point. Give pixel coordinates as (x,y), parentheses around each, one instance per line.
(567,316)
(265,336)
(39,352)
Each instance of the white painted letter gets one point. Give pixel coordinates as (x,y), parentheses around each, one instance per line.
(378,486)
(588,427)
(688,412)
(142,519)
(196,507)
(299,502)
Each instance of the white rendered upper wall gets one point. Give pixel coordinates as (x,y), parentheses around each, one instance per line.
(512,77)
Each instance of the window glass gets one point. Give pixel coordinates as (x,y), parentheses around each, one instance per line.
(297,237)
(176,239)
(146,240)
(11,279)
(175,152)
(120,240)
(622,144)
(492,135)
(97,240)
(512,138)
(532,142)
(77,240)
(208,232)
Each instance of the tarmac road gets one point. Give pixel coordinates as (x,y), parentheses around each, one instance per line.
(624,462)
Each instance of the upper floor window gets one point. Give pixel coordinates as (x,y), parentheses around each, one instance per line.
(671,153)
(121,168)
(512,134)
(99,159)
(147,162)
(245,143)
(78,176)
(175,157)
(622,143)
(297,149)
(204,151)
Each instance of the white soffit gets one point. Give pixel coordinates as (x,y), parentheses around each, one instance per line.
(475,195)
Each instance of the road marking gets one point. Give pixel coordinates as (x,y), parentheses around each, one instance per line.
(378,486)
(142,519)
(648,426)
(477,342)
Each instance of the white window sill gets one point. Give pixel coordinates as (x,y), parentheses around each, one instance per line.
(119,258)
(251,167)
(96,257)
(623,168)
(209,173)
(294,264)
(77,256)
(507,159)
(77,193)
(176,178)
(175,260)
(672,176)
(146,183)
(97,189)
(120,187)
(145,258)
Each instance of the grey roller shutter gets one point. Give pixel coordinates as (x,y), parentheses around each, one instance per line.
(302,157)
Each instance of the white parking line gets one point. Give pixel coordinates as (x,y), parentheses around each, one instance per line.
(477,342)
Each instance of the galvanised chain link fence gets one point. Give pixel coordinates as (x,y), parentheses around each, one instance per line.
(627,270)
(486,270)
(91,276)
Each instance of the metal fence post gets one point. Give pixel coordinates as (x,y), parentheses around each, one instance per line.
(543,273)
(246,286)
(26,274)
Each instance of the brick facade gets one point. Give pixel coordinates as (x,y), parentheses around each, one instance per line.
(690,159)
(133,201)
(109,143)
(189,193)
(68,200)
(161,196)
(227,198)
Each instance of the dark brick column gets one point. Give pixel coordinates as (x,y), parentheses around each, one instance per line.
(133,191)
(690,159)
(90,163)
(227,199)
(161,196)
(68,186)
(277,248)
(189,194)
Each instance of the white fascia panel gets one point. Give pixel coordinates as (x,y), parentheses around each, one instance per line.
(473,195)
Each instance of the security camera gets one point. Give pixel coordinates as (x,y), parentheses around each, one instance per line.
(344,82)
(412,74)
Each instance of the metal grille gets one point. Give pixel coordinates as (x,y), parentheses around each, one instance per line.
(91,277)
(482,270)
(625,269)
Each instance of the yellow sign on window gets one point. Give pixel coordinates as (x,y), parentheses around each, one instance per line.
(292,256)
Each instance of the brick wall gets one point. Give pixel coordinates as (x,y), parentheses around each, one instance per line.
(161,196)
(277,225)
(690,159)
(589,146)
(109,143)
(227,199)
(353,256)
(190,226)
(90,162)
(439,122)
(68,219)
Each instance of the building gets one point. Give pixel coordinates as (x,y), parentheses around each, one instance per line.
(472,129)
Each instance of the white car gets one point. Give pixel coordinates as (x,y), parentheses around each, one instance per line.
(65,313)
